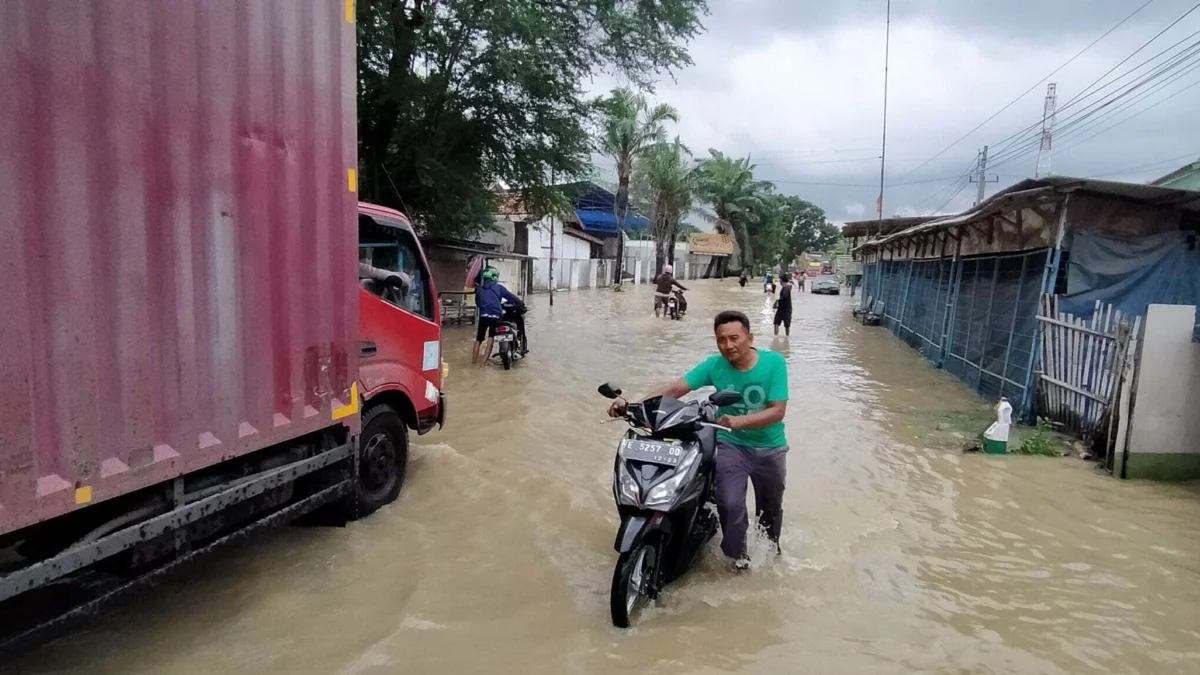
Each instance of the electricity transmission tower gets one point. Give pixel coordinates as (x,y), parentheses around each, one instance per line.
(1043,163)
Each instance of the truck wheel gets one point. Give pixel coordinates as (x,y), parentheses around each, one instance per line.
(382,461)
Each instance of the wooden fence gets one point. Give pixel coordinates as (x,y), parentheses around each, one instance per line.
(1082,362)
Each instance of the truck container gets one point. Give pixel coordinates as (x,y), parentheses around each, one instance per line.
(179,340)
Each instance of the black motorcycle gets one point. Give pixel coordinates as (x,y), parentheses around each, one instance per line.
(664,480)
(677,304)
(511,342)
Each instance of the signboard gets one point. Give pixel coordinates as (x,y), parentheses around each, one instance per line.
(711,244)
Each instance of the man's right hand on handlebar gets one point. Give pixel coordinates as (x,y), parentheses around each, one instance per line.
(618,408)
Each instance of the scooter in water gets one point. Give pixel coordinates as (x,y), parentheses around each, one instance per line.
(664,480)
(680,304)
(673,311)
(511,342)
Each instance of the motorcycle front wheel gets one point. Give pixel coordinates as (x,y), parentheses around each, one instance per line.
(631,579)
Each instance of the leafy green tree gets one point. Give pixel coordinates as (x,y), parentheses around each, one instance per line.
(737,198)
(664,176)
(631,129)
(807,228)
(455,96)
(768,229)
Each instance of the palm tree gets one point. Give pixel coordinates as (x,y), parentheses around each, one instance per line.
(664,178)
(728,184)
(631,127)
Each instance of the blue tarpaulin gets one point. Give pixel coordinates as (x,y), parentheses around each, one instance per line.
(606,221)
(1130,273)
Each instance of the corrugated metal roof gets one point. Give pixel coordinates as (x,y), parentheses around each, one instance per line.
(1050,188)
(876,227)
(580,234)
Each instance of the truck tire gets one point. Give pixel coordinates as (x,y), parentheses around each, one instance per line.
(382,461)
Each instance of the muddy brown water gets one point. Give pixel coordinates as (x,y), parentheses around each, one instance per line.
(901,554)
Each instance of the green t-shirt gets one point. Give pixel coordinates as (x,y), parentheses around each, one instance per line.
(766,381)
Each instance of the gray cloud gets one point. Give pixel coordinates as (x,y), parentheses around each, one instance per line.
(798,86)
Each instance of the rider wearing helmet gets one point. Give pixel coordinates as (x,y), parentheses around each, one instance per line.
(490,296)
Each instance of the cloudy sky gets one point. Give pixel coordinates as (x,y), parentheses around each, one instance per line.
(798,85)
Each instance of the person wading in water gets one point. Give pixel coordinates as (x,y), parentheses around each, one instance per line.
(755,448)
(783,307)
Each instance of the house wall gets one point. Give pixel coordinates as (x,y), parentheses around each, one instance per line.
(449,270)
(1188,179)
(1164,440)
(565,246)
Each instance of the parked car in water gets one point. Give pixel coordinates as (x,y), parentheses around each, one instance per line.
(827,285)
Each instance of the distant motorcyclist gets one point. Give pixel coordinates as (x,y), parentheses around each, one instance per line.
(490,296)
(663,283)
(743,280)
(768,283)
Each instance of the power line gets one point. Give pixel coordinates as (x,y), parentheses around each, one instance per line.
(853,161)
(1188,53)
(911,182)
(1073,122)
(1033,86)
(1014,138)
(951,198)
(1136,169)
(1140,112)
(1102,112)
(965,175)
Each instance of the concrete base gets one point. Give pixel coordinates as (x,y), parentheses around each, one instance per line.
(1163,466)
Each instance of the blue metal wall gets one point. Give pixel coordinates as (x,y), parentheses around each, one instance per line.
(974,317)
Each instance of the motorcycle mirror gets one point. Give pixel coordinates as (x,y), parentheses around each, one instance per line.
(725,398)
(609,390)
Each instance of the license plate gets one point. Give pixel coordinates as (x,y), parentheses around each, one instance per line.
(657,452)
(504,337)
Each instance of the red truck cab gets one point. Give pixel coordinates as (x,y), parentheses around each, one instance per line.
(400,366)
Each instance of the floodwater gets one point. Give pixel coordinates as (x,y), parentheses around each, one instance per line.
(902,555)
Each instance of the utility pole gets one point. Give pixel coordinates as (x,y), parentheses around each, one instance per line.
(552,249)
(551,260)
(1048,115)
(981,176)
(887,40)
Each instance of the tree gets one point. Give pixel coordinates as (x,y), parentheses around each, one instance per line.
(456,95)
(728,184)
(631,129)
(664,178)
(768,229)
(808,230)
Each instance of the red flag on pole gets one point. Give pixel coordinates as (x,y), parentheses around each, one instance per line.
(879,204)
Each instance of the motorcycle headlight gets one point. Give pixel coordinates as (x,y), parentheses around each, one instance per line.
(665,492)
(626,487)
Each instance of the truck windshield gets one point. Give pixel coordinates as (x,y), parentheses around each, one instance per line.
(391,247)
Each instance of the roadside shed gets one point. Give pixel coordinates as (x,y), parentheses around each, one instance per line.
(966,289)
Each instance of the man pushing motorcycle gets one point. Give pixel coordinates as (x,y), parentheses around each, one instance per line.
(755,448)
